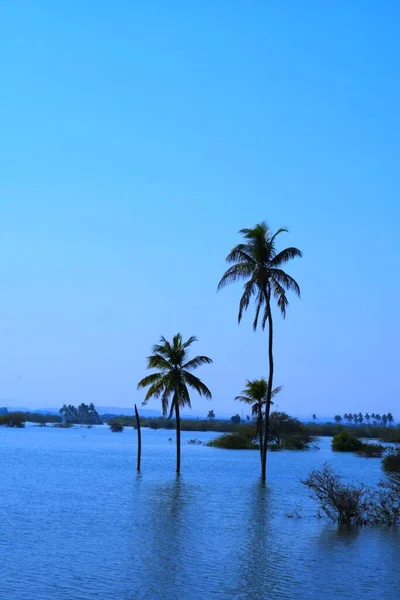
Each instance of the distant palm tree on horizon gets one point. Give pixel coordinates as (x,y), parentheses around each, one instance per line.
(257,261)
(255,393)
(172,380)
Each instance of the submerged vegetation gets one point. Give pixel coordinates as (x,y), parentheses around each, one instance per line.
(371,450)
(286,433)
(346,442)
(116,427)
(354,504)
(391,462)
(19,418)
(235,441)
(13,419)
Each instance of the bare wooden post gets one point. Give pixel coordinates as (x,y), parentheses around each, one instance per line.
(139,439)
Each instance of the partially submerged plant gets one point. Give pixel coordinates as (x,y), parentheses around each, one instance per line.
(346,442)
(371,450)
(355,504)
(345,503)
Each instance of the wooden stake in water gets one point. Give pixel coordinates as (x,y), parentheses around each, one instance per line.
(139,439)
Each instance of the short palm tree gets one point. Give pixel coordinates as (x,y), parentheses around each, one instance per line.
(172,379)
(255,393)
(258,262)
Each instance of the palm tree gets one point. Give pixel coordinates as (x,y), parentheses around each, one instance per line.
(255,393)
(258,262)
(390,418)
(172,379)
(210,415)
(367,418)
(314,417)
(338,419)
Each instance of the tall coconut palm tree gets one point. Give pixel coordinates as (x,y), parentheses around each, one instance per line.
(255,393)
(172,379)
(258,262)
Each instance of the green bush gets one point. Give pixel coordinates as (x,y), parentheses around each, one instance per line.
(13,419)
(391,462)
(299,441)
(234,441)
(116,427)
(346,442)
(371,450)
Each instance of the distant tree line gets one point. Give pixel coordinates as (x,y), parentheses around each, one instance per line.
(85,414)
(18,418)
(368,419)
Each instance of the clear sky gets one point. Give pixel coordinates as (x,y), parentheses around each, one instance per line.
(138,137)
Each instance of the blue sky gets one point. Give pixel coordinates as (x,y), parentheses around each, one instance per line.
(137,138)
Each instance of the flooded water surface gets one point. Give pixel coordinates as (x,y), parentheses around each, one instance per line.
(80,524)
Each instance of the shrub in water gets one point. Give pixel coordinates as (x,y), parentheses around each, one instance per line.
(116,427)
(371,450)
(345,442)
(391,462)
(355,504)
(343,503)
(234,441)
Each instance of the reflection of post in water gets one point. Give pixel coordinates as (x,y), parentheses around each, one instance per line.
(139,439)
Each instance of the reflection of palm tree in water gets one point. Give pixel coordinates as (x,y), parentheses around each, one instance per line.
(170,530)
(257,557)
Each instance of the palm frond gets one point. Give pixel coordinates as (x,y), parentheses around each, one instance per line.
(196,384)
(261,300)
(280,297)
(196,362)
(165,399)
(242,253)
(177,341)
(156,361)
(249,289)
(285,280)
(285,255)
(190,341)
(155,390)
(172,407)
(276,391)
(149,380)
(235,273)
(278,232)
(245,399)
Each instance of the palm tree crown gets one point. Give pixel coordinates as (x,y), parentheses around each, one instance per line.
(255,393)
(173,376)
(258,262)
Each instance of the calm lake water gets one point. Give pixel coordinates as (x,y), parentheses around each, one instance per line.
(79,524)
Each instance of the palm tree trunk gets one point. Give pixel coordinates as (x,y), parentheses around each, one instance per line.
(260,431)
(178,438)
(139,439)
(269,390)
